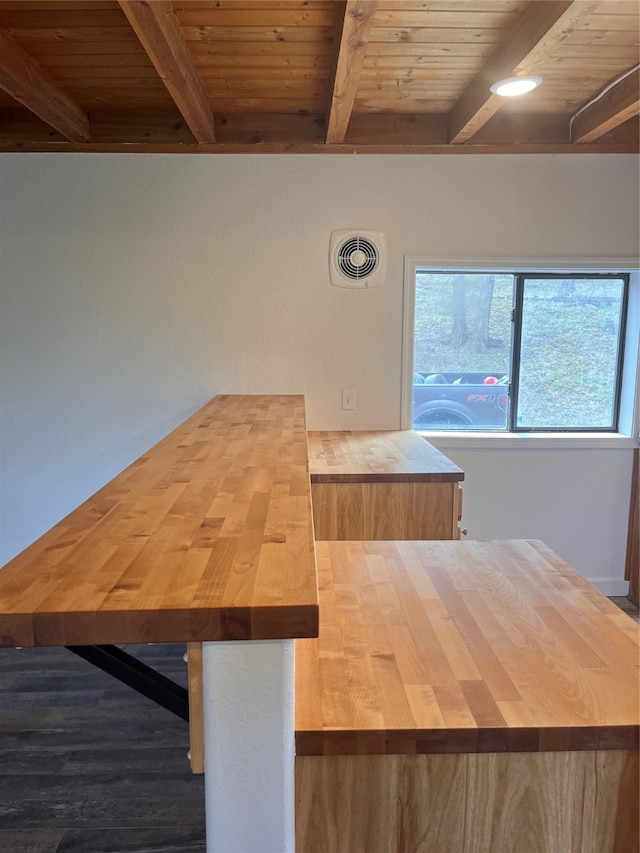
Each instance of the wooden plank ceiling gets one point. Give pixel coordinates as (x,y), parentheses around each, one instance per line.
(381,76)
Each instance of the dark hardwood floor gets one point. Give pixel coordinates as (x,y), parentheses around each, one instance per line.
(87,765)
(628,606)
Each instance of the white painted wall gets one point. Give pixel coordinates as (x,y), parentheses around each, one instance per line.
(135,287)
(249,746)
(575,500)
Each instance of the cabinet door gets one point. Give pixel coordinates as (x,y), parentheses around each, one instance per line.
(366,511)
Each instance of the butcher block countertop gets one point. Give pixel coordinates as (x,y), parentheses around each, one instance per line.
(208,536)
(392,456)
(445,647)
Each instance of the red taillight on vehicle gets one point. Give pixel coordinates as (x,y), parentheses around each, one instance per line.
(502,401)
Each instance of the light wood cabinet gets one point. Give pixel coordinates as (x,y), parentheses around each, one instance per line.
(382,485)
(476,697)
(632,566)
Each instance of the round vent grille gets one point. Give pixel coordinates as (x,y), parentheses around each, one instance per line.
(357,258)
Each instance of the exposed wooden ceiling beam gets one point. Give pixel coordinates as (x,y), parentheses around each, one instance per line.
(155,25)
(543,26)
(162,131)
(620,103)
(27,82)
(358,20)
(32,145)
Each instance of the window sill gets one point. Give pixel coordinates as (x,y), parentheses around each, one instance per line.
(520,440)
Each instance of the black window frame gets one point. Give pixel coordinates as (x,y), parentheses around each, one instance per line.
(520,277)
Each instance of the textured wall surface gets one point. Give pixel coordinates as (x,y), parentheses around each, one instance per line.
(249,746)
(136,287)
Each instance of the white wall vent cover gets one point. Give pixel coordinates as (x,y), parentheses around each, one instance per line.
(357,258)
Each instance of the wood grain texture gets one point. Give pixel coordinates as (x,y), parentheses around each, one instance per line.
(518,803)
(445,647)
(88,765)
(208,536)
(632,561)
(425,67)
(392,456)
(156,27)
(365,485)
(358,20)
(26,81)
(536,36)
(382,485)
(385,510)
(196,707)
(615,107)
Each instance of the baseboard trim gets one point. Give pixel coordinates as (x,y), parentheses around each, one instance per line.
(608,587)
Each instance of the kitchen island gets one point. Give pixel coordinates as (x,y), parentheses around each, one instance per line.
(465,696)
(476,696)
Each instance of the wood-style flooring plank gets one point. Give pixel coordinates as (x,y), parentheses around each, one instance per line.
(135,840)
(107,773)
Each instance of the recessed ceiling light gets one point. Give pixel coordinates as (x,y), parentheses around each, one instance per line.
(513,86)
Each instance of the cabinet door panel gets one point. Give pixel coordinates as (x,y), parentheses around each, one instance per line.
(365,511)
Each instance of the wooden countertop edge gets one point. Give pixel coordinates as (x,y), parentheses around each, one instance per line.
(148,559)
(467,740)
(160,626)
(414,477)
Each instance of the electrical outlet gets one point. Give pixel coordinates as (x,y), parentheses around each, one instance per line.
(348,398)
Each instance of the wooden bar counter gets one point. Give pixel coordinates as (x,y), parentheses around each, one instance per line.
(382,485)
(476,697)
(208,536)
(368,485)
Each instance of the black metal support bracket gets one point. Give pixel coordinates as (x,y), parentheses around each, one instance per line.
(137,675)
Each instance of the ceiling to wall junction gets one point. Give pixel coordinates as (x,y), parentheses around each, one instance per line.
(383,76)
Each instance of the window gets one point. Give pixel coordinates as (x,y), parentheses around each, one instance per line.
(517,351)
